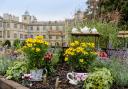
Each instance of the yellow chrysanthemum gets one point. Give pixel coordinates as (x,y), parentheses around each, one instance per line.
(29,45)
(81,60)
(72,44)
(85,53)
(66,59)
(33,48)
(29,40)
(37,49)
(46,43)
(76,42)
(39,37)
(83,45)
(24,47)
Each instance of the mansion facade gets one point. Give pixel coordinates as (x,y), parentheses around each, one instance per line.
(53,31)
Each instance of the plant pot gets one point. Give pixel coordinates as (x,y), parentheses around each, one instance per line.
(37,74)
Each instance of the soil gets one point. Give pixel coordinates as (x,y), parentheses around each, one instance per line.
(61,72)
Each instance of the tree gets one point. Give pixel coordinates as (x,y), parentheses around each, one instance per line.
(121,6)
(7,43)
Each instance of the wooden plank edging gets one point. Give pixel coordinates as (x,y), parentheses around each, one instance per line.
(9,84)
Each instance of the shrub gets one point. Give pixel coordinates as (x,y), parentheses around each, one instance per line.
(99,79)
(7,43)
(80,55)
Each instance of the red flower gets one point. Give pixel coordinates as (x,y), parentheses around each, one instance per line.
(48,56)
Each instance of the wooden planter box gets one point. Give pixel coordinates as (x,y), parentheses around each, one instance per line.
(9,84)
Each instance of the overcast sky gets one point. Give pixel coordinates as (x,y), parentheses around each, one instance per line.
(43,9)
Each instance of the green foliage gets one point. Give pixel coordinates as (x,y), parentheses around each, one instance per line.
(4,63)
(16,43)
(15,69)
(118,69)
(99,79)
(121,6)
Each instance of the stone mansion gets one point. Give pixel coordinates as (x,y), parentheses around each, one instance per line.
(12,28)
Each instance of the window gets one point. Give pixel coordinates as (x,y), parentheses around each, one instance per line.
(0,24)
(44,27)
(57,37)
(15,25)
(21,36)
(8,25)
(50,27)
(38,29)
(25,36)
(50,37)
(57,28)
(8,34)
(31,28)
(25,18)
(31,36)
(0,34)
(15,35)
(4,25)
(21,26)
(44,36)
(25,27)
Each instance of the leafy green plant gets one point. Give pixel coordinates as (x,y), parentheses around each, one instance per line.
(99,79)
(4,63)
(108,32)
(118,69)
(15,69)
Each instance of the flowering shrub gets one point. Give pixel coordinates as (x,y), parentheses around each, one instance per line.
(80,54)
(35,48)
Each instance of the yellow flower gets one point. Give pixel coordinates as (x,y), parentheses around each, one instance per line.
(72,44)
(24,46)
(46,43)
(83,45)
(39,37)
(29,45)
(76,42)
(79,49)
(85,53)
(37,49)
(29,40)
(66,59)
(92,45)
(33,48)
(81,60)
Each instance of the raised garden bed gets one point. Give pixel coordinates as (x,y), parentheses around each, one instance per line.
(9,84)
